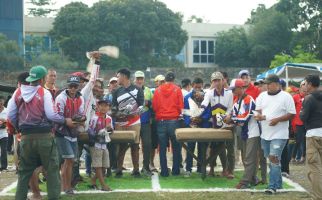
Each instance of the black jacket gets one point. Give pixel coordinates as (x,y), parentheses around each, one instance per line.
(311,112)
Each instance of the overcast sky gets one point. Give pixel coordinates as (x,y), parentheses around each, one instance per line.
(212,11)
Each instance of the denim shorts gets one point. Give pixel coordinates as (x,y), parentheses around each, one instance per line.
(66,148)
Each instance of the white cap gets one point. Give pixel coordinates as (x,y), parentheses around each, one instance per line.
(113,79)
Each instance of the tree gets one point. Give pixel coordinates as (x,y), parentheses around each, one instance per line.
(145,30)
(195,19)
(53,60)
(232,48)
(270,34)
(298,56)
(9,54)
(255,14)
(306,20)
(40,8)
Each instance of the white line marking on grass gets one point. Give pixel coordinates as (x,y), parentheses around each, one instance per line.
(156,187)
(155,182)
(10,187)
(294,184)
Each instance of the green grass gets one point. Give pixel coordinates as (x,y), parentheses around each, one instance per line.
(126,182)
(195,182)
(171,182)
(184,196)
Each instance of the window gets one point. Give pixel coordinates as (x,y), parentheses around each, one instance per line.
(203,51)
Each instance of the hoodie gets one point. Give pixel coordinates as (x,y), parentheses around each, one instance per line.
(312,110)
(167,102)
(31,109)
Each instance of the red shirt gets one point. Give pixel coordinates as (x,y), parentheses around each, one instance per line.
(253,91)
(298,99)
(167,102)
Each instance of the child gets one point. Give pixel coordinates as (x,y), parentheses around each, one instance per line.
(99,129)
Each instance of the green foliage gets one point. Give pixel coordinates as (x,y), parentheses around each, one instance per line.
(40,8)
(195,19)
(268,36)
(53,60)
(232,48)
(268,33)
(145,30)
(9,54)
(298,56)
(306,19)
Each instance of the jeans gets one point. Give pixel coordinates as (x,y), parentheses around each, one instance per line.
(300,141)
(88,162)
(3,145)
(166,129)
(274,148)
(189,159)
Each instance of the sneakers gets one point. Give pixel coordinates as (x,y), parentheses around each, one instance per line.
(136,174)
(285,174)
(118,174)
(187,174)
(270,191)
(146,172)
(152,168)
(69,192)
(93,187)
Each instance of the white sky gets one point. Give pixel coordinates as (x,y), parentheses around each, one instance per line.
(212,11)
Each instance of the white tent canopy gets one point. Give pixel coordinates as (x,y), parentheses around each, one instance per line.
(293,71)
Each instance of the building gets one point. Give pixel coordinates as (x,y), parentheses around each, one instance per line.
(11,20)
(198,52)
(36,35)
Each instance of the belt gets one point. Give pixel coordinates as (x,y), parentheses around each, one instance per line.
(37,136)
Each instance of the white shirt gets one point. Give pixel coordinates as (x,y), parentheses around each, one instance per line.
(315,132)
(185,92)
(3,131)
(273,106)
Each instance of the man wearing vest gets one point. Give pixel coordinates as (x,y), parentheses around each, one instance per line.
(30,110)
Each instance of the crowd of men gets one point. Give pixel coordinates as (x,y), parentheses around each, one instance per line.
(53,127)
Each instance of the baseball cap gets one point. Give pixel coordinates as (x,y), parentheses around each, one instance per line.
(259,81)
(216,76)
(272,78)
(104,100)
(159,77)
(73,80)
(243,72)
(81,75)
(170,76)
(283,83)
(236,83)
(36,73)
(139,74)
(113,79)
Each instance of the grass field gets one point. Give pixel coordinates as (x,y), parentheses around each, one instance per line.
(127,182)
(195,182)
